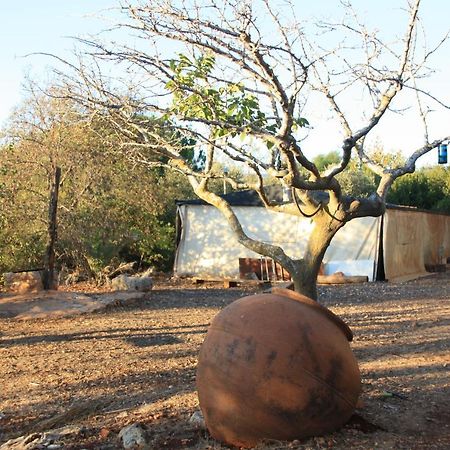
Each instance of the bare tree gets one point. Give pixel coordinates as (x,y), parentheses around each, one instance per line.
(229,80)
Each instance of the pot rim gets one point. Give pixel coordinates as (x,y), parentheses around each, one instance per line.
(313,304)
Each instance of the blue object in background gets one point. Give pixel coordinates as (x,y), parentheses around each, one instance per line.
(442,154)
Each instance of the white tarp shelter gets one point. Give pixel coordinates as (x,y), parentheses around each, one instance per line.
(208,249)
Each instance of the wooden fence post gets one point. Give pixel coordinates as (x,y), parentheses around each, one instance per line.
(49,272)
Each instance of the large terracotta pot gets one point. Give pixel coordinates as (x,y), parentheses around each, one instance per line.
(276,366)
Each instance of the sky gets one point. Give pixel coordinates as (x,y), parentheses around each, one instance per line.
(29,26)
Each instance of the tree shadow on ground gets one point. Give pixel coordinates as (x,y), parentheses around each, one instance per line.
(145,336)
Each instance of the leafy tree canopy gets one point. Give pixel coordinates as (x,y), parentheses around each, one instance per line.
(107,208)
(427,188)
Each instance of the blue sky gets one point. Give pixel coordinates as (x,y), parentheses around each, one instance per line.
(29,26)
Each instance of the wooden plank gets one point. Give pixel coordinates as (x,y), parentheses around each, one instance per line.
(341,279)
(228,282)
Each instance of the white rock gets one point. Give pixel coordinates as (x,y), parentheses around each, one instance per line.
(197,421)
(127,283)
(133,437)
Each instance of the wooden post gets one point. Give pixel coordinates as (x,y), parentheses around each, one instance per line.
(49,272)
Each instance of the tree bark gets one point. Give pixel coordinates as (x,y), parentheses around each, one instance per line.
(307,268)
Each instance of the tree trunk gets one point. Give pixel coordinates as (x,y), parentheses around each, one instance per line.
(307,268)
(305,282)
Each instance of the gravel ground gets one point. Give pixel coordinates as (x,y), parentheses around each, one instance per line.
(99,372)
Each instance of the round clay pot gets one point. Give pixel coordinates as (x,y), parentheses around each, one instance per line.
(276,366)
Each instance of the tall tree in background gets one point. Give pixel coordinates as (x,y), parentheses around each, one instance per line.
(229,81)
(107,209)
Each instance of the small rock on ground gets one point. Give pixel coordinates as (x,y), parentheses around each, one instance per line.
(197,421)
(134,437)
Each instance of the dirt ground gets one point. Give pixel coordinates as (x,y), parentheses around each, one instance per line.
(98,372)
